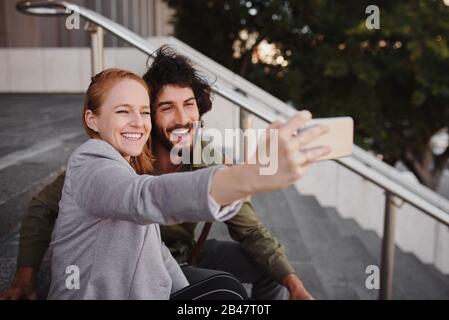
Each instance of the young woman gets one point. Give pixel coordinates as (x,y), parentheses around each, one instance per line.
(107,242)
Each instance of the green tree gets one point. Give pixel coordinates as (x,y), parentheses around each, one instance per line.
(394,81)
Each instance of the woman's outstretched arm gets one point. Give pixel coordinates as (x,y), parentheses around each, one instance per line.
(101,182)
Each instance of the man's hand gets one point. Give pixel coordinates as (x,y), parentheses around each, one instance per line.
(23,287)
(296,288)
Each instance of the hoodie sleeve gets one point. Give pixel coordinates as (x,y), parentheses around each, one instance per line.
(105,185)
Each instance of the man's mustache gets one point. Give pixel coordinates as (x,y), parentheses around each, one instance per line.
(188,126)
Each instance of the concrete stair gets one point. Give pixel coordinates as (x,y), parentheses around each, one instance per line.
(331,253)
(339,251)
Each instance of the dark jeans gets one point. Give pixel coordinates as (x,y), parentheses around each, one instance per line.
(229,257)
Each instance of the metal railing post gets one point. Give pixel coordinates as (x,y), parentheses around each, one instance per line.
(96,48)
(246,122)
(388,247)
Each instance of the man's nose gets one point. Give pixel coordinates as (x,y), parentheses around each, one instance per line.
(181,117)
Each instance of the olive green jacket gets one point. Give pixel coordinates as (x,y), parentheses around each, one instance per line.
(245,227)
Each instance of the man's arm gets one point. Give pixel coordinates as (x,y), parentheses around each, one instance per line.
(265,250)
(35,236)
(37,225)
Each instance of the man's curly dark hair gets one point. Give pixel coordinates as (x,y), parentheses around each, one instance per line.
(171,68)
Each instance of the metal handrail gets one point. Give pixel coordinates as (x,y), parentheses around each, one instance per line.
(360,163)
(128,36)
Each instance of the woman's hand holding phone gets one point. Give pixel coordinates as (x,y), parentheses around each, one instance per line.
(285,161)
(289,160)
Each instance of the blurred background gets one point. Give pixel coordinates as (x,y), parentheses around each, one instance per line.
(386,66)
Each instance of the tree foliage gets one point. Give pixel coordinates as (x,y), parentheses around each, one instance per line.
(393,81)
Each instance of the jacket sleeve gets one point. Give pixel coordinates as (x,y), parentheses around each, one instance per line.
(104,185)
(258,243)
(38,223)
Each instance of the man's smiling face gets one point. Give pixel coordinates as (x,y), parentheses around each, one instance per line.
(175,115)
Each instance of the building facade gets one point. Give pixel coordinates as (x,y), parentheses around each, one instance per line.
(145,17)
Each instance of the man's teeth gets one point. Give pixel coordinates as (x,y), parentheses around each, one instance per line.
(132,136)
(180,132)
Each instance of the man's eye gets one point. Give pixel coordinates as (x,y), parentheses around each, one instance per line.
(166,109)
(122,111)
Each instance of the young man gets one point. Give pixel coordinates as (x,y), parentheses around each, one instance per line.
(179,98)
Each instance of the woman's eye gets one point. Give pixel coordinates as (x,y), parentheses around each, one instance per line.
(146,113)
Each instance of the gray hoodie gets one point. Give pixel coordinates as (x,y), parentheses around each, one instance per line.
(107,229)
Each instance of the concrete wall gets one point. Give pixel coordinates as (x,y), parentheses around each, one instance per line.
(67,70)
(63,70)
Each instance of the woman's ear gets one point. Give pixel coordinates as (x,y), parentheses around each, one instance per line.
(91,120)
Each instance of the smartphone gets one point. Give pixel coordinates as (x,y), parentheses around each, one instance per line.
(340,136)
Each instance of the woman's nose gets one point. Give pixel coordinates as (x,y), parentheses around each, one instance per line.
(137,120)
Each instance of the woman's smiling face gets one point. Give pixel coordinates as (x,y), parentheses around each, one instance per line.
(124,120)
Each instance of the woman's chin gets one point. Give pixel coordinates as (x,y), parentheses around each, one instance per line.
(131,153)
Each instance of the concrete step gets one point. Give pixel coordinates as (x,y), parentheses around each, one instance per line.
(7,271)
(339,261)
(31,118)
(413,279)
(304,205)
(348,227)
(29,176)
(307,239)
(38,132)
(419,280)
(274,210)
(277,214)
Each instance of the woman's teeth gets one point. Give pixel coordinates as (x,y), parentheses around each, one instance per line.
(132,136)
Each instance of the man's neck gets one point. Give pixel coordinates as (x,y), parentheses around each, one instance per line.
(163,162)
